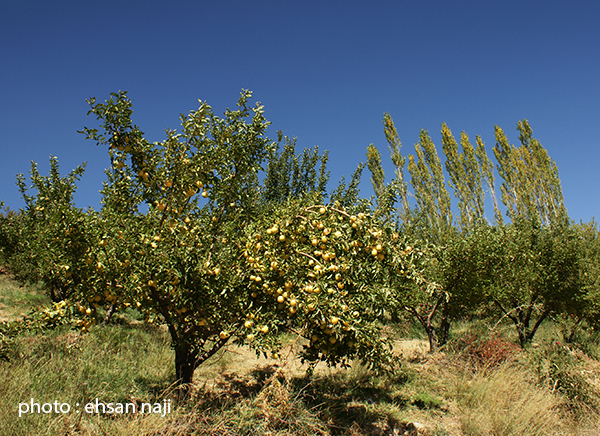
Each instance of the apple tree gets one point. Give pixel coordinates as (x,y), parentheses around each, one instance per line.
(51,240)
(331,276)
(536,274)
(172,216)
(185,237)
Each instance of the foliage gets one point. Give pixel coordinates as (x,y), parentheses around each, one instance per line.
(204,258)
(531,268)
(487,352)
(536,273)
(7,334)
(178,262)
(531,189)
(467,171)
(589,274)
(347,195)
(289,175)
(50,232)
(10,227)
(333,276)
(428,182)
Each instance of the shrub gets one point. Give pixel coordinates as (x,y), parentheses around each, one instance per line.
(558,368)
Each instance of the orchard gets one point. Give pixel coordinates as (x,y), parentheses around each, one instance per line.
(185,237)
(189,237)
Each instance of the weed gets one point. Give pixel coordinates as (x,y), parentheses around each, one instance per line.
(560,370)
(424,400)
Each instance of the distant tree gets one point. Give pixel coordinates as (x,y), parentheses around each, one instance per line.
(465,261)
(348,195)
(466,176)
(399,184)
(588,309)
(427,178)
(392,198)
(292,175)
(487,173)
(536,273)
(52,237)
(531,189)
(10,230)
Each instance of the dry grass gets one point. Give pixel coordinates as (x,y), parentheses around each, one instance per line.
(482,387)
(506,402)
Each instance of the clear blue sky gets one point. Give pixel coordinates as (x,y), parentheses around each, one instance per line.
(326,72)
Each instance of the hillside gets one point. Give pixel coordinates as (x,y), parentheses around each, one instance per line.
(482,384)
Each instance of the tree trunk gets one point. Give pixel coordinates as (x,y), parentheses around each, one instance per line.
(427,323)
(445,324)
(522,335)
(185,361)
(433,340)
(109,314)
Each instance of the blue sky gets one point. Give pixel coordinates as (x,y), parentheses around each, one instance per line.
(325,71)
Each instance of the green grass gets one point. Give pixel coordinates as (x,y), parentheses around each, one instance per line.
(114,364)
(17,300)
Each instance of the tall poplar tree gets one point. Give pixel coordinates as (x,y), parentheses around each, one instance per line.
(531,189)
(487,172)
(399,184)
(289,174)
(392,198)
(468,171)
(427,178)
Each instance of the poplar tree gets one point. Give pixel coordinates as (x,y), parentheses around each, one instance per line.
(465,177)
(377,172)
(399,184)
(392,199)
(531,189)
(289,174)
(468,171)
(427,178)
(487,172)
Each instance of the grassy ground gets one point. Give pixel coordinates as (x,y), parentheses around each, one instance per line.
(481,385)
(16,300)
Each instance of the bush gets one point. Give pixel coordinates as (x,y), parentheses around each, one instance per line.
(486,352)
(558,368)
